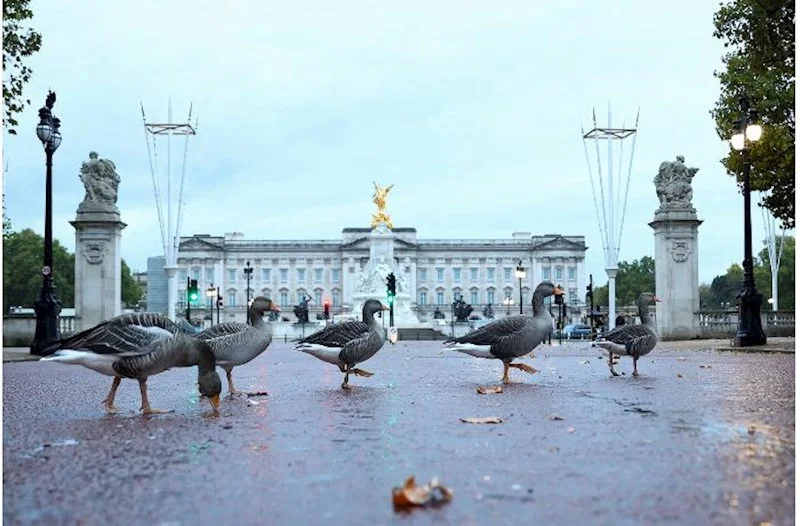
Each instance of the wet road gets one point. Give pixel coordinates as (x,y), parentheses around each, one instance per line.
(701,438)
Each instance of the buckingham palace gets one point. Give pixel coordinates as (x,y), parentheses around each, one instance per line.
(437,271)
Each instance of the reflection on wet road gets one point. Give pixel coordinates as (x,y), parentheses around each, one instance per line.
(700,438)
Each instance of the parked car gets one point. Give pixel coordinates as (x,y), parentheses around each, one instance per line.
(577,331)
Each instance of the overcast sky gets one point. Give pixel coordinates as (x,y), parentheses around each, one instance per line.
(472,109)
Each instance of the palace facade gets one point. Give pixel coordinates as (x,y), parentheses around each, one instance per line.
(481,271)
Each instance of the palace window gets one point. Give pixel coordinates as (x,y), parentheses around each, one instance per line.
(473,297)
(507,274)
(335,275)
(571,273)
(559,272)
(232,275)
(209,275)
(231,299)
(490,275)
(457,275)
(184,275)
(439,274)
(423,297)
(337,298)
(573,296)
(545,273)
(318,296)
(490,296)
(196,273)
(284,275)
(439,297)
(284,298)
(473,274)
(317,275)
(266,275)
(423,274)
(301,275)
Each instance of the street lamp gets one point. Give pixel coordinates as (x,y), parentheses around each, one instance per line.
(520,273)
(750,331)
(211,293)
(248,274)
(47,306)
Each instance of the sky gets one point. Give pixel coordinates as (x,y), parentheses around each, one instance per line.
(473,110)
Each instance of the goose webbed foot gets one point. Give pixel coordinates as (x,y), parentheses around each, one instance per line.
(361,372)
(146,408)
(611,363)
(506,379)
(232,391)
(524,367)
(108,403)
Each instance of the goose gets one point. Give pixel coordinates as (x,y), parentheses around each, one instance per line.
(632,340)
(510,337)
(236,343)
(348,343)
(138,346)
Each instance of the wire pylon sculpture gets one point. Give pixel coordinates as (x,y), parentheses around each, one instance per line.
(607,207)
(774,251)
(170,227)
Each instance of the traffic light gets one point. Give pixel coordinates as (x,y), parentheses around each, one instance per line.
(391,288)
(326,308)
(559,298)
(194,294)
(219,302)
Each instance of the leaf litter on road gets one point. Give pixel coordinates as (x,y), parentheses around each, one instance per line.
(482,420)
(493,389)
(410,495)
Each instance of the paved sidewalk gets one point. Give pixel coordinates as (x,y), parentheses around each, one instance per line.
(781,345)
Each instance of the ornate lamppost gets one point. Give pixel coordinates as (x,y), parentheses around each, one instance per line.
(47,306)
(750,331)
(248,274)
(520,273)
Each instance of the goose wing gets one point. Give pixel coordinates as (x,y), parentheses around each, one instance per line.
(495,332)
(635,338)
(338,334)
(222,329)
(126,334)
(361,348)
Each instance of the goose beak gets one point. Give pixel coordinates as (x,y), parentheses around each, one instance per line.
(214,403)
(656,299)
(384,307)
(559,291)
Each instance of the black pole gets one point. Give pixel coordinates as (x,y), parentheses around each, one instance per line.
(247,272)
(750,331)
(218,298)
(188,303)
(560,323)
(47,306)
(520,295)
(591,306)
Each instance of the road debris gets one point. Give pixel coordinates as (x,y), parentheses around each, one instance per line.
(556,417)
(680,375)
(482,420)
(494,389)
(410,495)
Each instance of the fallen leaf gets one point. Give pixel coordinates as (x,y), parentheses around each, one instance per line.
(682,358)
(495,389)
(751,429)
(584,362)
(482,420)
(432,494)
(705,367)
(570,430)
(680,375)
(556,417)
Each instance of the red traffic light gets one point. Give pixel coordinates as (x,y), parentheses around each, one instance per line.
(326,302)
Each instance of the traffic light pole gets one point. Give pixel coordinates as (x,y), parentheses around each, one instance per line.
(188,301)
(218,300)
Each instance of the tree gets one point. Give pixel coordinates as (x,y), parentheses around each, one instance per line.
(760,64)
(22,270)
(6,221)
(131,291)
(18,42)
(632,279)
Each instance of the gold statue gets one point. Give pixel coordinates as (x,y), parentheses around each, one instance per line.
(380,201)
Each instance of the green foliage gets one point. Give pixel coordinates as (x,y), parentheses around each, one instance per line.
(131,291)
(6,221)
(760,64)
(18,42)
(721,294)
(632,279)
(22,270)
